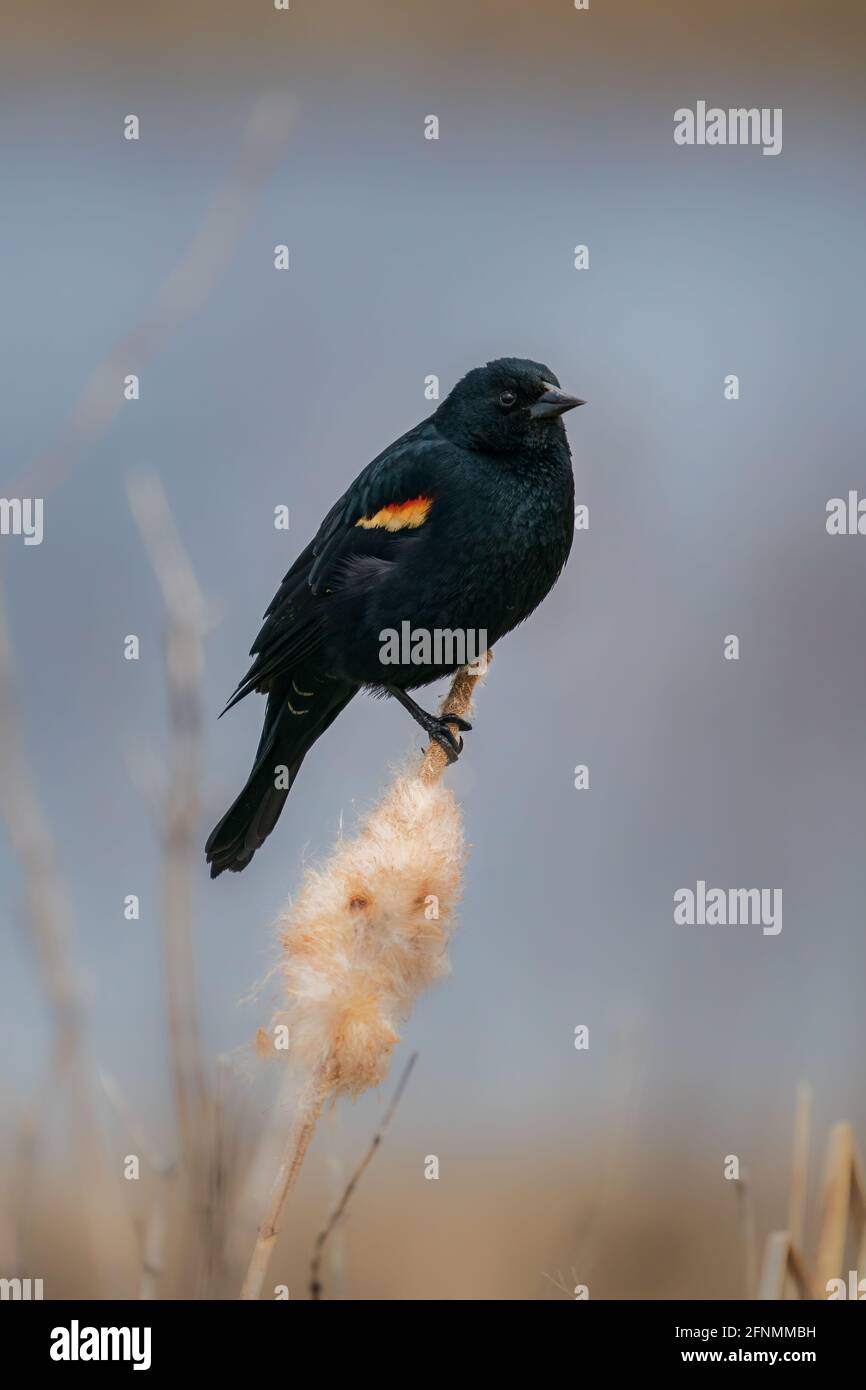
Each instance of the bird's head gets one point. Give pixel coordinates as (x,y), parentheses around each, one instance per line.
(508,406)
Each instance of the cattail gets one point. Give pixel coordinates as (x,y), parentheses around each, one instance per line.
(366,934)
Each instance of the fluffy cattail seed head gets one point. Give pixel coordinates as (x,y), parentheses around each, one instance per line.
(370,929)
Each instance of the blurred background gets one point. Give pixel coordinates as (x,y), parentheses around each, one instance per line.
(412,257)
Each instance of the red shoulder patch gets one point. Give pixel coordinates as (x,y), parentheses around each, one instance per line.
(399,516)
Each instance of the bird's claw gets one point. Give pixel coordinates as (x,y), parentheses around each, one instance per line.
(441,733)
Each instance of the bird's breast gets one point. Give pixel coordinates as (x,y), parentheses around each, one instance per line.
(499,548)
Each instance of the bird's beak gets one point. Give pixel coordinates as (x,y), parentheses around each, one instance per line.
(553,402)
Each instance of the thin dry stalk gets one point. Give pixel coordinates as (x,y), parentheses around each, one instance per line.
(844,1202)
(49,925)
(858,1205)
(153,1239)
(748,1234)
(340,1209)
(800,1164)
(307,1114)
(184,663)
(337,1243)
(47,898)
(226,1165)
(783,1261)
(23,1173)
(183,293)
(153,1247)
(835,1206)
(625,1072)
(328,1078)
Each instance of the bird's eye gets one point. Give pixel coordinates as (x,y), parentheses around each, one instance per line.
(507,398)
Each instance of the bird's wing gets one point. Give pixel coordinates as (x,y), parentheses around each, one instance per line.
(392,494)
(390,498)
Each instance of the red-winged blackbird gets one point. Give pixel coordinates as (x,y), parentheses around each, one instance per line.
(461,526)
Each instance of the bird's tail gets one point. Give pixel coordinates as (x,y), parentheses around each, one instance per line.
(292,724)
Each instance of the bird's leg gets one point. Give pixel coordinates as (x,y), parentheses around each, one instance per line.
(434,725)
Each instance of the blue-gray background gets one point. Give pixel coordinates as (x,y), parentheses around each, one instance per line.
(412,257)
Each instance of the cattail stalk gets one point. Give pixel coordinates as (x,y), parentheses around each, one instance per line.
(308,1110)
(340,1209)
(366,934)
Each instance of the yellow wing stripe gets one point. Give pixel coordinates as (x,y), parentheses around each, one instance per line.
(399,516)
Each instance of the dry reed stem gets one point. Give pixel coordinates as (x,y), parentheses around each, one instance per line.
(24,1169)
(800,1272)
(835,1205)
(843,1198)
(307,1113)
(46,895)
(339,1210)
(624,1076)
(184,292)
(49,926)
(844,1195)
(163,1169)
(225,1147)
(783,1254)
(858,1204)
(800,1164)
(748,1235)
(326,1078)
(184,663)
(782,1260)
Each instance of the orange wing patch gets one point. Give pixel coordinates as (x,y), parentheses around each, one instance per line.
(400,516)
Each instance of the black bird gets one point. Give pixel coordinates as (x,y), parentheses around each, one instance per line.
(461,526)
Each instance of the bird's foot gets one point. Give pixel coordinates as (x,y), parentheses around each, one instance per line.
(436,726)
(439,728)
